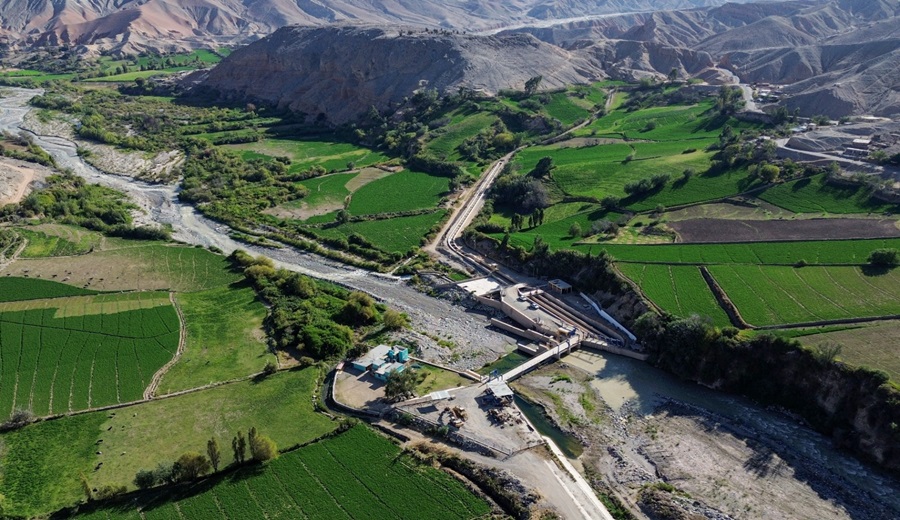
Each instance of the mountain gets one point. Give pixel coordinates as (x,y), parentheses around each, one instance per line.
(835,57)
(131,25)
(341,71)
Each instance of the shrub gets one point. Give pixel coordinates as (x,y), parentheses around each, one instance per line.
(885,257)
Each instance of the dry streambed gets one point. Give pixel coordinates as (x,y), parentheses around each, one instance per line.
(738,461)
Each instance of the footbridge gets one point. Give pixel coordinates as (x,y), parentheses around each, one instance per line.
(564,347)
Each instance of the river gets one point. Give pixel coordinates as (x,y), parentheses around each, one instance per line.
(620,380)
(160,205)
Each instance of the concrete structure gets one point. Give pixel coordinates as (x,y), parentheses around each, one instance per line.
(383,360)
(500,391)
(560,286)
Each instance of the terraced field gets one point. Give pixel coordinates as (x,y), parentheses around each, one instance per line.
(394,235)
(401,191)
(680,290)
(355,475)
(775,295)
(71,353)
(812,195)
(306,153)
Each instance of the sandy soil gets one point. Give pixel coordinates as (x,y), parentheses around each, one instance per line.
(727,230)
(16,178)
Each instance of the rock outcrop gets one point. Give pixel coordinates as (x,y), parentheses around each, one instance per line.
(342,71)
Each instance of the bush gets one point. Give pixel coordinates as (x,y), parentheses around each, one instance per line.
(885,257)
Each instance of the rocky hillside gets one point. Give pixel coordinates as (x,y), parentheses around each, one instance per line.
(837,56)
(342,71)
(132,25)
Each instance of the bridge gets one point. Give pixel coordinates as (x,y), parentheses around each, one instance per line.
(570,344)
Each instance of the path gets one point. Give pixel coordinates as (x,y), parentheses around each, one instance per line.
(157,377)
(536,361)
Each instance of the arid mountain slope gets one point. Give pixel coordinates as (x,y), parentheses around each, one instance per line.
(162,24)
(341,71)
(838,56)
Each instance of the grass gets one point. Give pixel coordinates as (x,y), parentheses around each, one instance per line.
(463,126)
(438,379)
(402,191)
(812,195)
(775,295)
(84,352)
(876,346)
(784,253)
(17,289)
(325,190)
(224,339)
(558,220)
(42,462)
(56,240)
(567,108)
(135,265)
(505,363)
(394,235)
(680,290)
(357,474)
(305,153)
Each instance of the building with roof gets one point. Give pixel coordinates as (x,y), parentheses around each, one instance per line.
(560,286)
(380,358)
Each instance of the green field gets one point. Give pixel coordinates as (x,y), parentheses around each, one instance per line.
(784,253)
(463,125)
(55,242)
(394,235)
(325,190)
(812,195)
(402,191)
(66,354)
(355,475)
(134,265)
(42,463)
(775,295)
(568,108)
(558,220)
(16,289)
(876,345)
(224,339)
(305,153)
(680,290)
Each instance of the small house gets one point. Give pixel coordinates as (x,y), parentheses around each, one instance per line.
(372,359)
(387,369)
(560,286)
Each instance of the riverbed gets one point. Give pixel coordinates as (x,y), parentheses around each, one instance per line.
(629,386)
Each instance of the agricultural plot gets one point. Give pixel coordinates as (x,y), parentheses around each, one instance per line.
(558,221)
(55,240)
(680,290)
(463,125)
(355,475)
(402,191)
(224,338)
(68,354)
(776,295)
(875,346)
(17,289)
(393,235)
(568,108)
(43,462)
(306,153)
(124,265)
(779,253)
(812,195)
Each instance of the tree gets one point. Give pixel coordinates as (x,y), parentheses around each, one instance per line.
(543,167)
(262,448)
(400,384)
(239,447)
(164,473)
(394,320)
(673,75)
(888,257)
(769,172)
(359,309)
(189,466)
(213,452)
(145,479)
(575,230)
(532,85)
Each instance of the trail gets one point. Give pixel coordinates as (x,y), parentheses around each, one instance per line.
(150,391)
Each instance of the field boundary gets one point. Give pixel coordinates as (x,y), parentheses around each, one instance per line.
(734,315)
(821,323)
(182,334)
(637,288)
